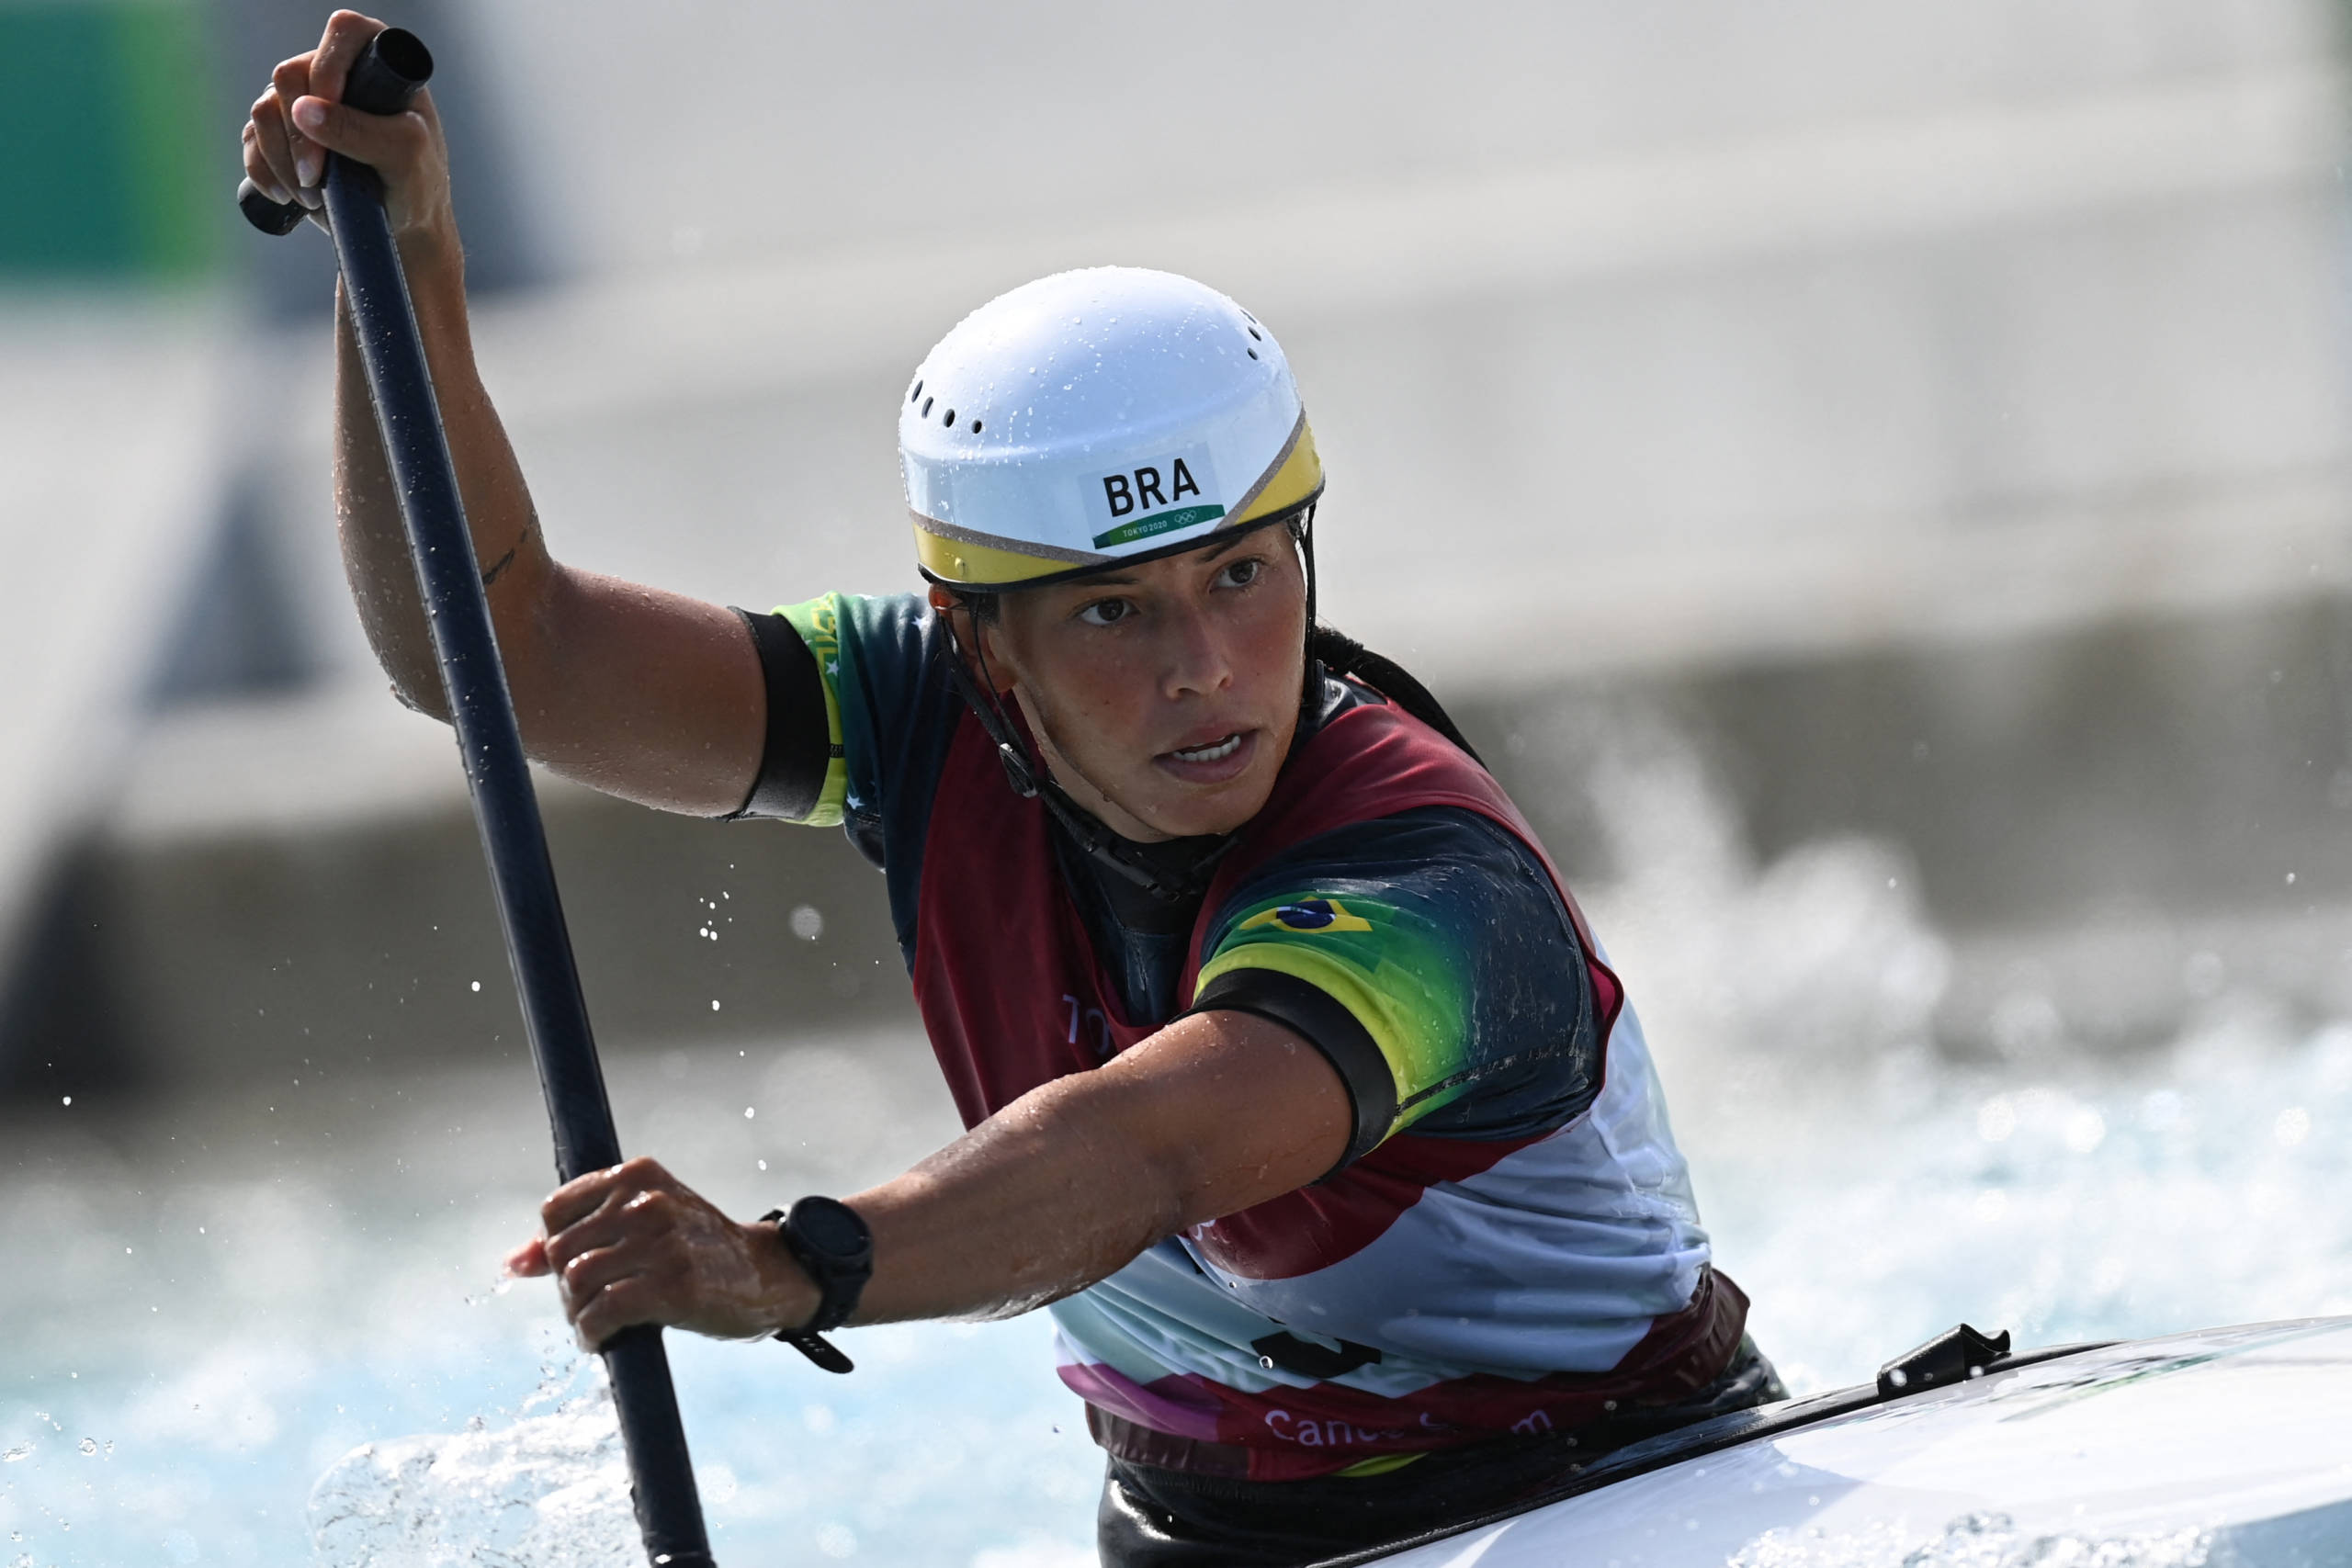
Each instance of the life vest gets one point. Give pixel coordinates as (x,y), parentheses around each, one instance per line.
(1010,990)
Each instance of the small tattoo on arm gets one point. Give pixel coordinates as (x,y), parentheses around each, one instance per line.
(497,567)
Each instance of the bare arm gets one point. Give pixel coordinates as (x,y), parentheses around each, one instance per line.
(643,694)
(1218,1111)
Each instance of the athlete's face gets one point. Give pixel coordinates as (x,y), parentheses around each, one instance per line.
(1163,695)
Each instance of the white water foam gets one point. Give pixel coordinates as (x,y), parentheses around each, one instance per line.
(1866,1193)
(548,1491)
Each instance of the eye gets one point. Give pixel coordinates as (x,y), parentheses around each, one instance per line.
(1106,611)
(1242,573)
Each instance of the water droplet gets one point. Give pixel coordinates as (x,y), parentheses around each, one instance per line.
(89,1445)
(749,1113)
(477,984)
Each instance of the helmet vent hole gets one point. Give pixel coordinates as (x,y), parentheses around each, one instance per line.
(975,428)
(1256,333)
(916,394)
(948,418)
(1253,354)
(926,408)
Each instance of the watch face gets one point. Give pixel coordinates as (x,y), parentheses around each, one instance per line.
(831,1227)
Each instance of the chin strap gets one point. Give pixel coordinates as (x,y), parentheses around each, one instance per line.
(1030,779)
(1342,655)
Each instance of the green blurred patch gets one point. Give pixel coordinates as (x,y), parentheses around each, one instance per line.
(103,142)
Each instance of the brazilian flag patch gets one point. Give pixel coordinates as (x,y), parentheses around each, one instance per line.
(1308,915)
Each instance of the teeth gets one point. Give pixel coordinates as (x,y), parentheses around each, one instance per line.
(1224,748)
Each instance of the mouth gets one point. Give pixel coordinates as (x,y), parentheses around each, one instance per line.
(1215,752)
(1212,760)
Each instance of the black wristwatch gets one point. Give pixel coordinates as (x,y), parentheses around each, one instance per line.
(825,1237)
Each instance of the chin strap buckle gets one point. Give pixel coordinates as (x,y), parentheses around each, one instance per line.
(1016,771)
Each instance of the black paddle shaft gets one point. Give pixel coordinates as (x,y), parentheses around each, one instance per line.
(506,808)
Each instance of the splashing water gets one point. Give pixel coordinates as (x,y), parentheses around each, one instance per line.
(1868,1193)
(550,1491)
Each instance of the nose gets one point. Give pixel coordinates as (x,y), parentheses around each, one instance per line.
(1199,662)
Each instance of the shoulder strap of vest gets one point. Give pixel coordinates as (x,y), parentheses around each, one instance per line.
(1343,655)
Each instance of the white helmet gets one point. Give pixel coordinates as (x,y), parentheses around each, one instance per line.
(1103,415)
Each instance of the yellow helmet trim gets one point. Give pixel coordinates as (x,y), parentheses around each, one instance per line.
(971,564)
(1291,479)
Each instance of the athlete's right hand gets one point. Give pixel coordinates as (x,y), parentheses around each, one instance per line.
(300,118)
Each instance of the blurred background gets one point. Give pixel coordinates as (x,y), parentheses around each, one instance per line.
(1874,480)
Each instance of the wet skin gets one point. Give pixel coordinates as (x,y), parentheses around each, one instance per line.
(1163,695)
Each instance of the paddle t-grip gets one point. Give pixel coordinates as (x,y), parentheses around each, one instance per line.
(383,79)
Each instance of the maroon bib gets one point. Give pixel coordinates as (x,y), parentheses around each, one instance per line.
(1012,992)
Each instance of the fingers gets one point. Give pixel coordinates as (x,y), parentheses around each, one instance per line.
(269,138)
(583,1195)
(529,1260)
(633,1244)
(267,180)
(625,1264)
(620,1219)
(389,142)
(347,37)
(645,1247)
(586,1219)
(304,161)
(281,156)
(621,1303)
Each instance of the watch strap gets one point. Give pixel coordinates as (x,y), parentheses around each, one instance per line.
(828,1356)
(840,1279)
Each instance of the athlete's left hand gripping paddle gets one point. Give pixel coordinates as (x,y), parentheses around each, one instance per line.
(506,808)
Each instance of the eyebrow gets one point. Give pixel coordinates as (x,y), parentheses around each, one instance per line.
(1126,580)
